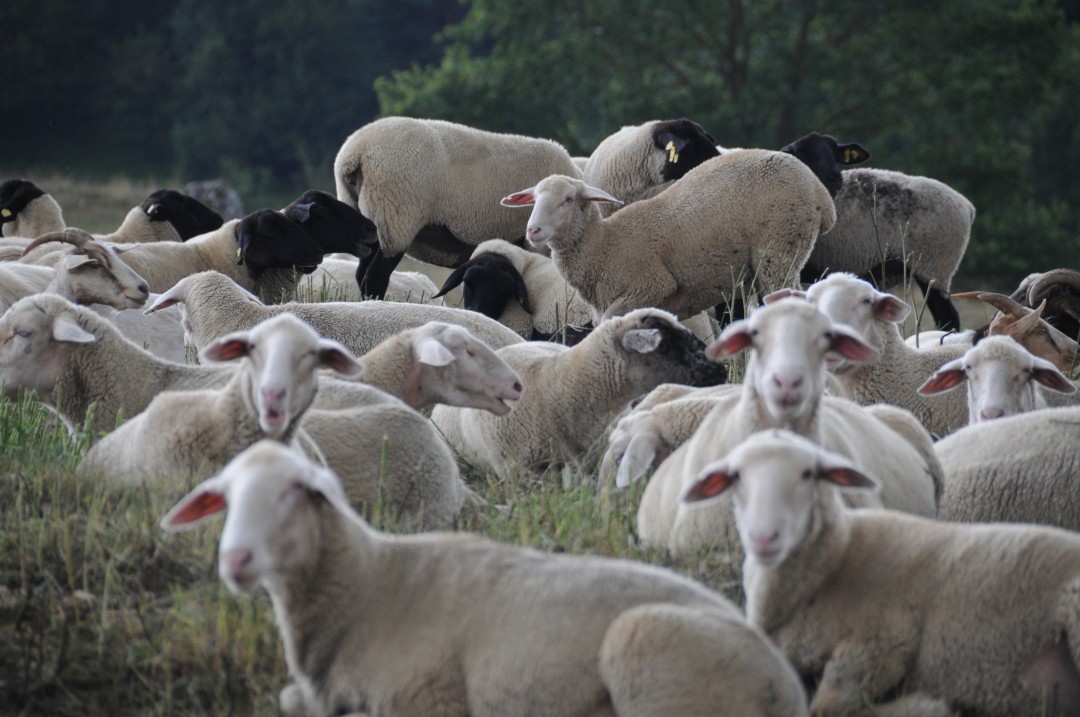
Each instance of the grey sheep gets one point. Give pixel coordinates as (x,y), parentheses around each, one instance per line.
(746,220)
(432,188)
(453,624)
(571,394)
(872,603)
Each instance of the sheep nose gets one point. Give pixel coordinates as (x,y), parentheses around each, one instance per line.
(533,230)
(143,289)
(273,395)
(989,414)
(764,542)
(517,386)
(234,561)
(787,384)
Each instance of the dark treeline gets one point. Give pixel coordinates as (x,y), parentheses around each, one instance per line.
(981,95)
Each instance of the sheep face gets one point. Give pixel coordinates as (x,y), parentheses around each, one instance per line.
(684,144)
(334,225)
(15,194)
(791,340)
(271,531)
(284,354)
(849,300)
(561,205)
(464,371)
(490,282)
(826,158)
(97,275)
(658,349)
(38,334)
(187,215)
(776,477)
(267,239)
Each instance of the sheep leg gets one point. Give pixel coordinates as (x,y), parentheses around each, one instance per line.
(856,674)
(941,306)
(377,275)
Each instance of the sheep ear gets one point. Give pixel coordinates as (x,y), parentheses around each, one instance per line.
(783,294)
(837,470)
(75,261)
(734,338)
(946,378)
(521,293)
(204,502)
(524,198)
(888,308)
(335,356)
(175,295)
(637,459)
(851,346)
(1048,375)
(642,341)
(848,154)
(594,194)
(324,482)
(669,140)
(301,212)
(713,481)
(65,328)
(228,348)
(430,351)
(454,280)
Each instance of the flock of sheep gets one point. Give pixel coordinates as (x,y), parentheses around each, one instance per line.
(304,389)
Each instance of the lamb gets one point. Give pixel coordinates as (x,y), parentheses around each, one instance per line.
(333,281)
(889,224)
(695,245)
(469,621)
(521,289)
(874,602)
(571,394)
(899,369)
(639,161)
(1019,469)
(27,211)
(783,388)
(1003,379)
(431,188)
(215,305)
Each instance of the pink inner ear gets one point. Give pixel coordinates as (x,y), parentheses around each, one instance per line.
(1054,380)
(710,486)
(521,199)
(847,477)
(339,361)
(852,349)
(199,507)
(942,381)
(728,347)
(165,304)
(227,350)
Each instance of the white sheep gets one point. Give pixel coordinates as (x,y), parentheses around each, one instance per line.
(215,305)
(899,369)
(335,280)
(783,388)
(452,624)
(1002,377)
(432,188)
(1020,469)
(571,394)
(639,161)
(871,603)
(27,211)
(717,229)
(521,289)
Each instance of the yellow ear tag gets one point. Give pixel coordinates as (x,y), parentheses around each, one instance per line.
(673,154)
(5,212)
(849,156)
(238,252)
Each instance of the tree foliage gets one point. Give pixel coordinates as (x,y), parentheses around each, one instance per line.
(979,95)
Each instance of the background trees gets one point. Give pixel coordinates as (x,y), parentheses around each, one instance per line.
(979,95)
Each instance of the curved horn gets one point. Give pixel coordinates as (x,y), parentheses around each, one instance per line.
(1055,277)
(1028,323)
(71,235)
(1004,304)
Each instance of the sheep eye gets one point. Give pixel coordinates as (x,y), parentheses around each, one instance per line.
(807,474)
(867,301)
(754,333)
(23,333)
(568,200)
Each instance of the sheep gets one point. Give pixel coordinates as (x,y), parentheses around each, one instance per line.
(442,363)
(717,229)
(1061,288)
(638,160)
(571,394)
(473,627)
(333,281)
(899,369)
(27,211)
(889,224)
(521,289)
(985,618)
(783,388)
(431,188)
(215,305)
(1019,469)
(1003,379)
(160,333)
(335,226)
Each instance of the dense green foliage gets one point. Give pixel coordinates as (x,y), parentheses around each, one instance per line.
(981,95)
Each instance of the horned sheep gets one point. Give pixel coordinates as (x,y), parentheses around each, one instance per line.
(432,188)
(469,621)
(571,394)
(870,603)
(693,246)
(783,388)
